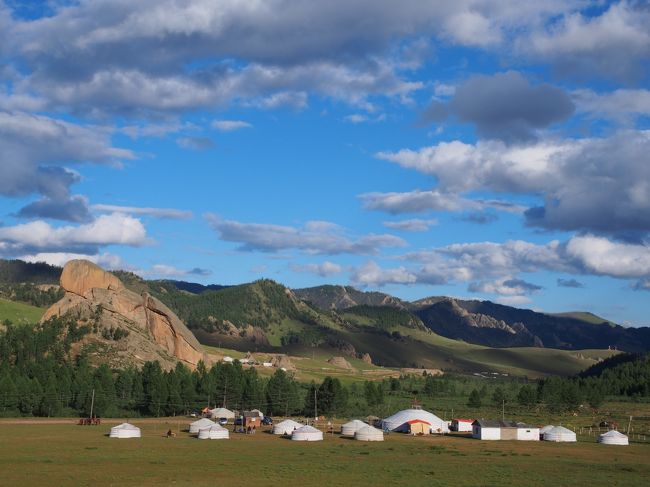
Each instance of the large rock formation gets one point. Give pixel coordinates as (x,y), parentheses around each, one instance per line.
(150,330)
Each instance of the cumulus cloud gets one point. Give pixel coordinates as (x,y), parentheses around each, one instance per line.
(35,152)
(412,225)
(324,269)
(492,267)
(313,238)
(504,106)
(41,237)
(572,283)
(165,213)
(161,55)
(614,44)
(230,125)
(504,286)
(370,274)
(564,172)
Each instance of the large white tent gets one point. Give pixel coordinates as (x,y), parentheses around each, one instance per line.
(349,429)
(215,432)
(201,424)
(559,434)
(368,433)
(286,427)
(613,437)
(545,429)
(218,413)
(307,433)
(399,421)
(125,430)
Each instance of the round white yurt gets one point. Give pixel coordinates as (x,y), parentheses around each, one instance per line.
(286,427)
(399,421)
(307,433)
(349,429)
(560,434)
(218,413)
(215,432)
(201,424)
(613,437)
(368,433)
(125,430)
(545,429)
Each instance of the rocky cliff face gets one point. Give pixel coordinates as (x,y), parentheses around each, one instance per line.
(149,329)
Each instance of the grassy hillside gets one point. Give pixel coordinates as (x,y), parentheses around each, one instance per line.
(19,312)
(585,316)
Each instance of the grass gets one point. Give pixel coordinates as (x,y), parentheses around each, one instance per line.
(19,312)
(68,455)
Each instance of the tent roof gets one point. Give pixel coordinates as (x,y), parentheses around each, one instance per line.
(560,430)
(415,421)
(215,427)
(613,434)
(355,422)
(125,426)
(307,429)
(203,422)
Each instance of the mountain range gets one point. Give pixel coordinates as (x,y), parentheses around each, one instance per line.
(438,331)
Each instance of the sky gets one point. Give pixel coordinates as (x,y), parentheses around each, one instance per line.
(478,149)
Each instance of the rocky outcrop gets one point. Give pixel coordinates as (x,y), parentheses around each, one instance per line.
(367,358)
(151,330)
(282,361)
(340,362)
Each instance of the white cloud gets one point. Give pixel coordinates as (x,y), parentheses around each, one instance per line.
(622,105)
(563,172)
(370,274)
(314,238)
(113,229)
(230,125)
(513,300)
(324,269)
(168,213)
(413,225)
(602,256)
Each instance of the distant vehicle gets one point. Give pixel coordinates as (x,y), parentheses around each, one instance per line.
(267,420)
(223,421)
(194,415)
(239,421)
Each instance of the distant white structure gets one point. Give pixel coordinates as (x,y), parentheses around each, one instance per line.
(613,437)
(201,424)
(504,430)
(559,434)
(286,427)
(399,421)
(243,360)
(218,413)
(125,430)
(368,433)
(307,433)
(228,359)
(349,429)
(461,424)
(258,412)
(545,429)
(215,432)
(267,364)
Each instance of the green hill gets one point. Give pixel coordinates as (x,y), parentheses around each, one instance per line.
(19,312)
(585,316)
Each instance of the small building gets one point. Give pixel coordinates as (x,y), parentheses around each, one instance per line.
(461,424)
(419,427)
(267,364)
(125,430)
(228,359)
(613,437)
(483,429)
(252,419)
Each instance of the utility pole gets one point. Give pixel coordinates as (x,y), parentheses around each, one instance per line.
(629,425)
(92,404)
(503,410)
(315,404)
(225,389)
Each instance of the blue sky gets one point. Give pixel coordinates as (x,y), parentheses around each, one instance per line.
(487,150)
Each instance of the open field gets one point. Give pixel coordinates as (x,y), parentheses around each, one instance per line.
(19,312)
(69,455)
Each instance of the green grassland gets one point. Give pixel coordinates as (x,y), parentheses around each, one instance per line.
(69,455)
(19,312)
